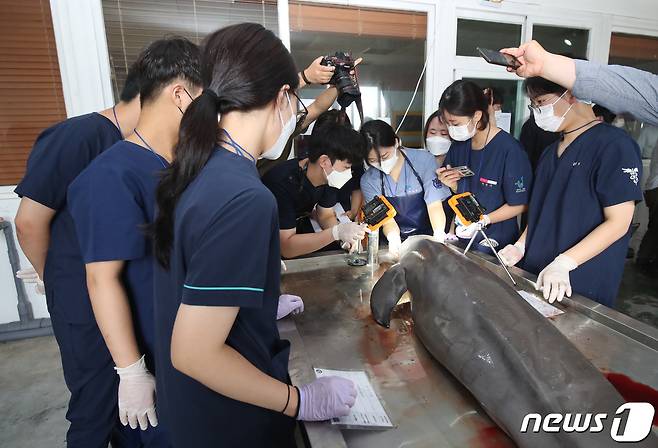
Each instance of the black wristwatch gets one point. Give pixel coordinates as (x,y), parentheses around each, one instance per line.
(305,78)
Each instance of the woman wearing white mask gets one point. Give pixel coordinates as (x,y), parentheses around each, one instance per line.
(502,174)
(437,138)
(408,180)
(437,142)
(582,201)
(223,370)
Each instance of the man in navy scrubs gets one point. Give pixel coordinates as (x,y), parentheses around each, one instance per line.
(582,201)
(47,236)
(111,202)
(299,186)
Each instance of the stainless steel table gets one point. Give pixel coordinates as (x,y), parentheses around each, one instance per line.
(427,404)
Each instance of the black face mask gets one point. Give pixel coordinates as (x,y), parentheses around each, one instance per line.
(192,99)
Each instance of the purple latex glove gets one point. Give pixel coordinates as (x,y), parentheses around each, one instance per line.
(326,398)
(289,304)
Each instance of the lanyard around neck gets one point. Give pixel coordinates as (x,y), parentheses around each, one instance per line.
(157,156)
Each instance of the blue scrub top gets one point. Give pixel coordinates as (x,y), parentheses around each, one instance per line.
(59,154)
(502,176)
(226,252)
(111,202)
(407,184)
(601,168)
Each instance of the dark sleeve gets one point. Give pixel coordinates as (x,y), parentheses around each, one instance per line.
(329,197)
(55,160)
(618,172)
(228,266)
(517,179)
(355,182)
(109,217)
(285,200)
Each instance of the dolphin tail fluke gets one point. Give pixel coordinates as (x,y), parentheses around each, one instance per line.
(386,294)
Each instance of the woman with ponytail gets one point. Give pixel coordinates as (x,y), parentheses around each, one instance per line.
(222,367)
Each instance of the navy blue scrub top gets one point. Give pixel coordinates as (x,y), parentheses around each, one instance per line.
(502,176)
(59,154)
(601,168)
(225,253)
(295,194)
(111,202)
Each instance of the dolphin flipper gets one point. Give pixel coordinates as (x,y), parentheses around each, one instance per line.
(386,294)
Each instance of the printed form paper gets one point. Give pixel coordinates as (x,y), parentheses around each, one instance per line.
(368,411)
(546,309)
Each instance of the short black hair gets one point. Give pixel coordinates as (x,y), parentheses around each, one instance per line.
(464,98)
(131,84)
(537,86)
(378,134)
(338,142)
(333,116)
(165,60)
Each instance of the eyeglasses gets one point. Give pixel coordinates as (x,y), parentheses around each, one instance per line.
(302,111)
(537,109)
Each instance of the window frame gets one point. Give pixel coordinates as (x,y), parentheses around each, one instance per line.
(431,79)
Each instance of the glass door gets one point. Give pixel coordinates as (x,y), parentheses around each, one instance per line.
(495,30)
(392,44)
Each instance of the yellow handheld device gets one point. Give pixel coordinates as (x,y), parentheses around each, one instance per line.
(469,211)
(378,212)
(466,207)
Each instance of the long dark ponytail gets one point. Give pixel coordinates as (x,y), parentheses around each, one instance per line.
(243,67)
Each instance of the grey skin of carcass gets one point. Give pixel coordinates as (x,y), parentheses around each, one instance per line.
(504,352)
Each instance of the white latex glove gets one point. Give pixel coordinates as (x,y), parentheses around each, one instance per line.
(137,395)
(440,236)
(512,253)
(467,232)
(554,279)
(349,233)
(394,244)
(451,237)
(30,276)
(289,304)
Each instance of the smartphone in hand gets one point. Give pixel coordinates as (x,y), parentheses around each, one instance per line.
(464,171)
(498,58)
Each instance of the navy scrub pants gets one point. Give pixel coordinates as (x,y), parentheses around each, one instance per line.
(93,383)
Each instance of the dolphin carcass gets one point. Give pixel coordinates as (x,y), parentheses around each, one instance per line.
(504,352)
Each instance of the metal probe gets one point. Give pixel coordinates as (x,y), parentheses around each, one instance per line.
(480,228)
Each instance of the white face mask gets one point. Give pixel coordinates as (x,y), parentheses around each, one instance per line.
(338,179)
(546,118)
(386,166)
(438,145)
(287,130)
(461,133)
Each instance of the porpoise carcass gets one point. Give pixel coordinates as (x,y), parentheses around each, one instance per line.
(511,358)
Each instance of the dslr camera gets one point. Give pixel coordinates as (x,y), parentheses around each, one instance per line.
(345,79)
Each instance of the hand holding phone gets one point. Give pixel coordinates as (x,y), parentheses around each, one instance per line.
(497,58)
(449,176)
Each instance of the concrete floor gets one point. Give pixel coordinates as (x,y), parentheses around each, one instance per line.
(33,396)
